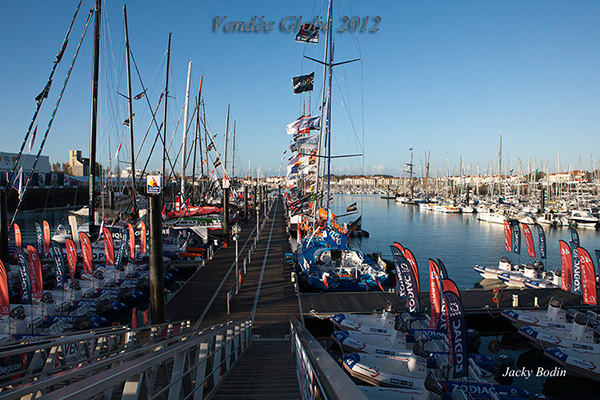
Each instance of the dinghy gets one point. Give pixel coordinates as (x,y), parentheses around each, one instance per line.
(576,333)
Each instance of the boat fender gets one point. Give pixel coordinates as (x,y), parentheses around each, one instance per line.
(496,295)
(494,346)
(473,340)
(501,363)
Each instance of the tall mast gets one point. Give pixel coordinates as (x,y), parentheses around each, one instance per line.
(410,173)
(129,98)
(206,144)
(164,138)
(226,140)
(233,152)
(323,112)
(198,136)
(330,76)
(185,128)
(94,119)
(427,172)
(500,168)
(195,151)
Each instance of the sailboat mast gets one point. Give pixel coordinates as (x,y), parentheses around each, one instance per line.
(164,138)
(185,128)
(233,152)
(500,168)
(226,140)
(330,76)
(323,111)
(94,120)
(196,136)
(129,98)
(411,175)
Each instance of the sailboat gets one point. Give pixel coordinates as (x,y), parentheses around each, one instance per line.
(324,260)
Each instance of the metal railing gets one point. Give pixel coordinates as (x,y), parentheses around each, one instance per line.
(319,376)
(37,358)
(185,366)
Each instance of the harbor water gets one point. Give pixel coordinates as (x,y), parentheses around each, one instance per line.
(459,240)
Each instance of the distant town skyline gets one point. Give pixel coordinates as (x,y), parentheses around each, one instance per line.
(444,79)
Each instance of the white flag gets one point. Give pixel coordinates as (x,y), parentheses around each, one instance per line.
(302,124)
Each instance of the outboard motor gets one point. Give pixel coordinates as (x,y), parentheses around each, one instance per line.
(99,275)
(419,349)
(418,352)
(553,309)
(539,266)
(18,313)
(48,298)
(579,325)
(390,308)
(473,340)
(556,279)
(501,364)
(432,385)
(530,271)
(400,325)
(505,264)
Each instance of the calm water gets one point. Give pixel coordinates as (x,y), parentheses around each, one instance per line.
(459,240)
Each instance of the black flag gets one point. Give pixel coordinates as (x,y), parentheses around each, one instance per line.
(308,33)
(44,94)
(303,83)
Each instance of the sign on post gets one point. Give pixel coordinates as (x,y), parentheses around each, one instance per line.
(153,184)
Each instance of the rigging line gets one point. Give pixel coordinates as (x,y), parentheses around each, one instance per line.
(175,130)
(149,127)
(144,90)
(196,109)
(62,91)
(347,108)
(352,33)
(152,149)
(42,96)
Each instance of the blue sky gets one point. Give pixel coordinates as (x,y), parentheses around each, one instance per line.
(438,76)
